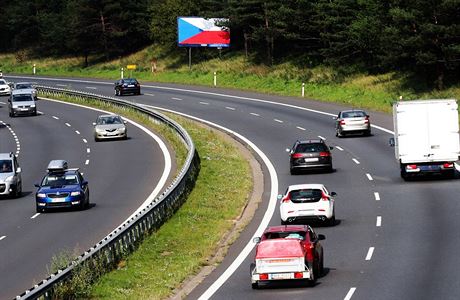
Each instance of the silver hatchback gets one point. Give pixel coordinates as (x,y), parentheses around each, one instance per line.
(352,121)
(110,127)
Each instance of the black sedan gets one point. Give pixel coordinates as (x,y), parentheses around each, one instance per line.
(310,154)
(127,86)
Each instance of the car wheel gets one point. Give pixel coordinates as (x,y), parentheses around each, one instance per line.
(367,132)
(18,191)
(96,139)
(11,114)
(39,209)
(321,265)
(293,171)
(331,221)
(283,222)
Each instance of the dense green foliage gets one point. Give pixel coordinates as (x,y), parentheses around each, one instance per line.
(421,37)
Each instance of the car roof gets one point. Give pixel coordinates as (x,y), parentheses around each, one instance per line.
(352,110)
(6,155)
(306,186)
(22,92)
(286,228)
(23,82)
(107,116)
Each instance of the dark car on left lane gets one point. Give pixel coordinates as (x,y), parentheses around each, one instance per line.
(62,188)
(127,86)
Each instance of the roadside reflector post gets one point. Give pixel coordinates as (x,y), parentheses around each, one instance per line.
(303,89)
(215,78)
(33,69)
(121,72)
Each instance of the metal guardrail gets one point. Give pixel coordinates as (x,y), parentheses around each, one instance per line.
(125,238)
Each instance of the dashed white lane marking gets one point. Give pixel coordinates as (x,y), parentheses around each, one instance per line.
(230,108)
(151,95)
(87,162)
(91,88)
(2,102)
(39,112)
(369,253)
(204,103)
(85,141)
(279,121)
(369,176)
(377,196)
(254,114)
(57,84)
(321,137)
(54,117)
(301,128)
(178,99)
(379,221)
(340,148)
(68,125)
(356,161)
(34,216)
(2,237)
(350,293)
(77,132)
(88,150)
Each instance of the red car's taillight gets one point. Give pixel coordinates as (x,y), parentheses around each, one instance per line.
(342,122)
(263,276)
(310,248)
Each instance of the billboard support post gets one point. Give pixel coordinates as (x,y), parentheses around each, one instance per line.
(190,58)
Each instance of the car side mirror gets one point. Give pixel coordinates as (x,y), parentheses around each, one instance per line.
(321,237)
(333,194)
(334,118)
(18,170)
(125,122)
(279,197)
(331,148)
(256,240)
(84,182)
(36,185)
(94,124)
(392,142)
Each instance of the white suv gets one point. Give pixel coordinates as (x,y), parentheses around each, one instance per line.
(10,175)
(307,202)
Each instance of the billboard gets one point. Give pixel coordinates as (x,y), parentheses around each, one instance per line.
(201,32)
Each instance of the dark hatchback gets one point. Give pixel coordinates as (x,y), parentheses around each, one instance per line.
(127,86)
(309,155)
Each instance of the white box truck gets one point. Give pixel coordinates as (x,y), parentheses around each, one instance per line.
(426,136)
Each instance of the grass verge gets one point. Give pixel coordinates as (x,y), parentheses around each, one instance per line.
(185,243)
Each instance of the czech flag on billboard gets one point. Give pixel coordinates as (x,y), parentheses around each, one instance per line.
(200,32)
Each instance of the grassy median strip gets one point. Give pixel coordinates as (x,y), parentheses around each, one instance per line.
(186,242)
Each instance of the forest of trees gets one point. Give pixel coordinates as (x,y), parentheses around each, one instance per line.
(415,36)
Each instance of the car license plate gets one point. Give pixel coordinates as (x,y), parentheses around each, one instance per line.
(111,134)
(310,159)
(305,212)
(280,276)
(131,85)
(57,200)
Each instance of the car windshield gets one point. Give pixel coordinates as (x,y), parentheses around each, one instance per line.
(20,86)
(59,179)
(353,114)
(22,98)
(6,166)
(2,81)
(281,235)
(109,120)
(306,195)
(130,81)
(313,147)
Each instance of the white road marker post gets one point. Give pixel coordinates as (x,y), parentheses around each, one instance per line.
(122,72)
(303,89)
(33,70)
(215,79)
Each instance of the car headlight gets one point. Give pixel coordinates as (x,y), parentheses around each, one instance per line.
(123,129)
(99,130)
(41,195)
(32,105)
(9,179)
(76,193)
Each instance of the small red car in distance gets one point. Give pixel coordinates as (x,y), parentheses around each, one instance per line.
(287,252)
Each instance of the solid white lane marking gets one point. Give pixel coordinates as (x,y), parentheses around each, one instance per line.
(230,108)
(301,128)
(377,196)
(2,237)
(204,103)
(254,114)
(379,221)
(356,161)
(68,125)
(266,218)
(34,216)
(151,95)
(350,293)
(369,253)
(369,176)
(77,132)
(91,88)
(2,102)
(321,137)
(279,121)
(340,148)
(58,84)
(85,141)
(54,117)
(178,99)
(88,150)
(87,162)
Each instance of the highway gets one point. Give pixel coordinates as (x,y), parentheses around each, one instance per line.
(121,175)
(393,239)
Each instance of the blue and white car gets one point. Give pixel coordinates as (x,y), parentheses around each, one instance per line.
(62,188)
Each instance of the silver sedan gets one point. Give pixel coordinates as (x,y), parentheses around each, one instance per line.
(110,127)
(352,121)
